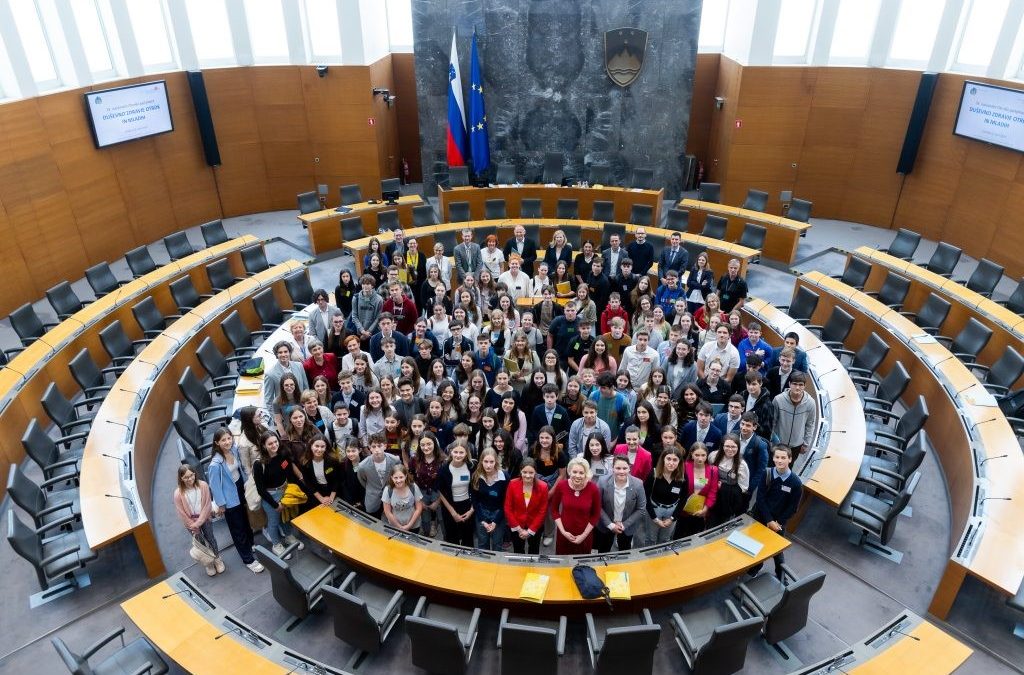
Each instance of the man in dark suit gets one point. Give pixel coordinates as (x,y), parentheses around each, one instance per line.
(526,248)
(728,421)
(799,360)
(397,246)
(548,413)
(702,430)
(641,252)
(673,257)
(612,256)
(349,395)
(387,329)
(754,451)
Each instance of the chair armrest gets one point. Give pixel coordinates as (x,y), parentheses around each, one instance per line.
(394,605)
(113,370)
(889,415)
(863,373)
(731,606)
(474,623)
(141,343)
(88,401)
(421,607)
(222,421)
(887,472)
(879,485)
(61,464)
(50,482)
(13,352)
(996,389)
(54,509)
(843,352)
(684,633)
(645,616)
(230,381)
(562,622)
(102,642)
(122,361)
(832,345)
(871,294)
(291,548)
(262,333)
(898,440)
(877,401)
(943,340)
(751,599)
(347,582)
(865,381)
(945,275)
(153,334)
(813,327)
(241,355)
(146,667)
(977,366)
(787,571)
(870,512)
(323,577)
(75,423)
(219,388)
(54,557)
(101,389)
(501,624)
(212,409)
(71,438)
(882,447)
(968,359)
(270,326)
(591,630)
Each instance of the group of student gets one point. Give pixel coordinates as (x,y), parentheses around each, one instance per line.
(469,414)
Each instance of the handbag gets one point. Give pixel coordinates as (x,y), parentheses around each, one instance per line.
(589,584)
(252,495)
(201,551)
(252,367)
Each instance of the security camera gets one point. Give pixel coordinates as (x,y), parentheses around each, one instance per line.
(719,102)
(321,71)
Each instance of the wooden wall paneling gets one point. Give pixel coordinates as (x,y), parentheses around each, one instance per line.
(730,76)
(18,285)
(1009,240)
(973,220)
(407,111)
(242,181)
(702,106)
(284,133)
(144,189)
(768,86)
(386,127)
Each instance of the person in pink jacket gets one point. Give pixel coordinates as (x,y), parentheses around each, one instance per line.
(702,479)
(195,507)
(640,460)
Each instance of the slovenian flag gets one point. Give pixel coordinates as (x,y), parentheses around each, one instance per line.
(456,112)
(478,141)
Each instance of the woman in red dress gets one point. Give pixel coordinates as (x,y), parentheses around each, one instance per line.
(575,506)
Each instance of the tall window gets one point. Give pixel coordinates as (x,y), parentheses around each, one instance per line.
(93,35)
(796,19)
(211,33)
(712,25)
(400,23)
(149,23)
(37,48)
(978,39)
(855,27)
(267,31)
(322,28)
(914,35)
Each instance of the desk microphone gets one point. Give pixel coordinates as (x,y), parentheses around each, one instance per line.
(228,632)
(12,370)
(829,372)
(985,422)
(982,463)
(897,631)
(834,431)
(148,363)
(939,363)
(130,501)
(818,459)
(118,424)
(837,398)
(998,499)
(121,459)
(129,391)
(171,595)
(817,346)
(960,391)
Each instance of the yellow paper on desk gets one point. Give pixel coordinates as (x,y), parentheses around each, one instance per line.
(563,287)
(618,585)
(534,587)
(249,385)
(694,504)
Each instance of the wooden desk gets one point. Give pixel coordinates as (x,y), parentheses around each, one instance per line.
(623,198)
(908,645)
(782,237)
(966,430)
(202,637)
(830,468)
(719,252)
(133,420)
(1007,326)
(24,380)
(325,226)
(432,570)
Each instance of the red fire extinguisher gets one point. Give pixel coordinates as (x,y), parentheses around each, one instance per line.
(405,172)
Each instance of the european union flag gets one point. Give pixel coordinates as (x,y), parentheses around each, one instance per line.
(479,146)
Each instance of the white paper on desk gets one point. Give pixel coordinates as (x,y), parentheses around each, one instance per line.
(924,338)
(550,185)
(980,396)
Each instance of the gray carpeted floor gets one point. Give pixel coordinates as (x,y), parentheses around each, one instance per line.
(862,591)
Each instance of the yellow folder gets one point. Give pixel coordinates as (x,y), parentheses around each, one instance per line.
(618,585)
(534,587)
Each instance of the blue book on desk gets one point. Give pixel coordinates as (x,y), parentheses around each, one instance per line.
(745,543)
(343,209)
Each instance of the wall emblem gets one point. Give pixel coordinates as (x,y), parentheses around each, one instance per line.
(624,50)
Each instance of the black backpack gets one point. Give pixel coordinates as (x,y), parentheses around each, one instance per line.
(590,585)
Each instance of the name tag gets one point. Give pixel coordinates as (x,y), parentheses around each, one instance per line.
(786,488)
(464,479)
(557,416)
(676,490)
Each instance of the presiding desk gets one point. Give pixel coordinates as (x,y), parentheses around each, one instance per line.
(907,645)
(325,226)
(719,252)
(829,469)
(783,234)
(1007,326)
(24,380)
(130,424)
(623,198)
(664,572)
(976,446)
(202,637)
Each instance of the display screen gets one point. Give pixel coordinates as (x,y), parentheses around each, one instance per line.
(991,114)
(128,113)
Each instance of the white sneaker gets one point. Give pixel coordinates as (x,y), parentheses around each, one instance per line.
(278,549)
(218,565)
(547,541)
(290,540)
(211,571)
(255,566)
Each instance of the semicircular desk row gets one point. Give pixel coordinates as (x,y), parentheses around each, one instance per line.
(184,623)
(132,421)
(964,304)
(987,500)
(719,252)
(25,378)
(782,235)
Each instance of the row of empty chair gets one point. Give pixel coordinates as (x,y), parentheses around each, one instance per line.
(309,202)
(551,172)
